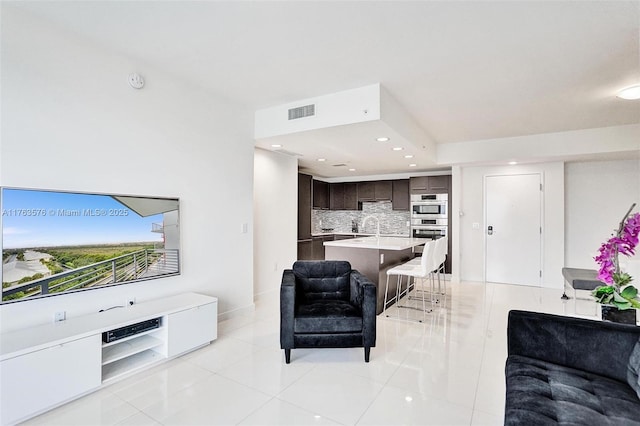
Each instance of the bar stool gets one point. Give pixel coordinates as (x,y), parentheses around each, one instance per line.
(437,263)
(440,257)
(421,271)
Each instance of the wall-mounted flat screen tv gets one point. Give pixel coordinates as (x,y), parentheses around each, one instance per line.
(56,242)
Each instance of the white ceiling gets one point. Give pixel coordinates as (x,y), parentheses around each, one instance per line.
(465,71)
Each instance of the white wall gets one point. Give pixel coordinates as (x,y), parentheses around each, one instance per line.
(275,212)
(547,147)
(469,190)
(71,122)
(598,194)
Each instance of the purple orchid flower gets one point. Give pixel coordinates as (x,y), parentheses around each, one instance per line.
(623,242)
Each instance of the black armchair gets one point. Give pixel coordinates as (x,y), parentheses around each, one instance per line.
(326,304)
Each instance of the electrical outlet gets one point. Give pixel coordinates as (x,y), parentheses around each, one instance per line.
(60,316)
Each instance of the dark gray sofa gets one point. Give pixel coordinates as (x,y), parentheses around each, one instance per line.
(326,304)
(571,371)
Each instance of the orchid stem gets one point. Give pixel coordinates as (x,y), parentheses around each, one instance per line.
(616,262)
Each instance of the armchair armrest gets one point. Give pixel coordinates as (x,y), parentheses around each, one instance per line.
(287,308)
(363,294)
(595,346)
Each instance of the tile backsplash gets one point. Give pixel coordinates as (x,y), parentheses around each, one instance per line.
(391,221)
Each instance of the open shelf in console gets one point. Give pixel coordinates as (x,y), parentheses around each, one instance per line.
(127,365)
(127,354)
(120,350)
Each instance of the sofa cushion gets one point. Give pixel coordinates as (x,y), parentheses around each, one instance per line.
(327,280)
(543,393)
(633,369)
(327,316)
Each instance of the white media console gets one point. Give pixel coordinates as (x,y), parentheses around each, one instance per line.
(45,366)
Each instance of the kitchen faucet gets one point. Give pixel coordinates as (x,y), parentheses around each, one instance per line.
(364,221)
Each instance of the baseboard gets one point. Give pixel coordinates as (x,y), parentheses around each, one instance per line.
(267,294)
(245,310)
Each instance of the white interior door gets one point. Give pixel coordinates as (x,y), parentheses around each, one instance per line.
(513,229)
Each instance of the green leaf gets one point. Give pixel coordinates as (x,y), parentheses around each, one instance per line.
(619,299)
(623,306)
(606,299)
(603,290)
(629,292)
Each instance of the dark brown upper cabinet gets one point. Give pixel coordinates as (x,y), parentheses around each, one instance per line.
(366,191)
(380,190)
(439,184)
(320,195)
(383,190)
(351,196)
(418,184)
(343,196)
(430,184)
(400,194)
(336,196)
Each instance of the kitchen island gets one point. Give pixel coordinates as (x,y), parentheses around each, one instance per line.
(373,256)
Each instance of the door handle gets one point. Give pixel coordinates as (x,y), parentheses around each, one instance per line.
(489,230)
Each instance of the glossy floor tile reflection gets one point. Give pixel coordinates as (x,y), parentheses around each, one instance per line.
(447,369)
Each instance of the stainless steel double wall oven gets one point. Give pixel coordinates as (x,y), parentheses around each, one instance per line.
(429,215)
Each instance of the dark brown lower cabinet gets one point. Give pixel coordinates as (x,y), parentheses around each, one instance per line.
(313,248)
(318,249)
(305,249)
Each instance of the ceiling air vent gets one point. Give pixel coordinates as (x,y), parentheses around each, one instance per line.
(303,111)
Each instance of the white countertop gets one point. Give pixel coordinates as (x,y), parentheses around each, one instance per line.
(358,234)
(382,243)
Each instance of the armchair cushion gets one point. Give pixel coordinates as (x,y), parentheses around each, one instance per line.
(542,393)
(327,316)
(322,280)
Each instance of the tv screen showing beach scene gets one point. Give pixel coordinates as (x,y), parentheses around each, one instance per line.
(56,242)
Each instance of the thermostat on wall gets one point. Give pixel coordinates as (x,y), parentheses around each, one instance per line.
(136,81)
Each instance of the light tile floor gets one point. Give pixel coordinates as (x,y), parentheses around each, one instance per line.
(447,370)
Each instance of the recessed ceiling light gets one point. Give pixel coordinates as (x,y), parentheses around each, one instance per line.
(398,148)
(631,93)
(412,165)
(276,145)
(408,156)
(322,159)
(383,139)
(352,170)
(513,163)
